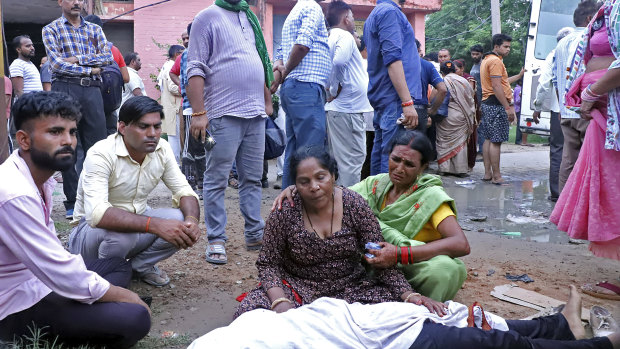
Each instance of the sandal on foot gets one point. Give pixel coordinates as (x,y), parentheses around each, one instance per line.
(602,322)
(606,290)
(216,249)
(155,277)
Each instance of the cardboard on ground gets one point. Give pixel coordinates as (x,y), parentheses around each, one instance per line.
(517,295)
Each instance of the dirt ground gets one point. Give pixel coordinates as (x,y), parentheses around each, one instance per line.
(201,296)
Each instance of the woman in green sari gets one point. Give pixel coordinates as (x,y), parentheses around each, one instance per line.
(417,218)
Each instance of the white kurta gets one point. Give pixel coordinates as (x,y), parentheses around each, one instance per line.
(332,323)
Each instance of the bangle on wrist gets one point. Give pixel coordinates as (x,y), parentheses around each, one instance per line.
(407,104)
(413,294)
(280,300)
(192,217)
(200,113)
(148,222)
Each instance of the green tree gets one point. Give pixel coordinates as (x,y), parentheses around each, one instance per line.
(463,23)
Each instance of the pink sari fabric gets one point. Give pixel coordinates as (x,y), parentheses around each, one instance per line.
(588,205)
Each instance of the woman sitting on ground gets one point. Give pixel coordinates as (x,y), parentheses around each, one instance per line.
(417,219)
(453,132)
(313,248)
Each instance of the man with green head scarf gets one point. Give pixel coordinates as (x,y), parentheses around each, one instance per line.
(229,71)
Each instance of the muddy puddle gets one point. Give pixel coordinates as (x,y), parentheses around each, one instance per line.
(519,209)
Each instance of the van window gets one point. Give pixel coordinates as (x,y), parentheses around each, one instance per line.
(554,15)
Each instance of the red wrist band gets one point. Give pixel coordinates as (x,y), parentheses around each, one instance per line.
(407,104)
(148,222)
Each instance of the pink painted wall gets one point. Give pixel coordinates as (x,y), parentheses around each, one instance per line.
(164,23)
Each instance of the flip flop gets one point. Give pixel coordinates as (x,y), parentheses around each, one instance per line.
(613,295)
(216,249)
(485,179)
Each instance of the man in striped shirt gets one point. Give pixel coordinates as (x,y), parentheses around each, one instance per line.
(25,76)
(77,50)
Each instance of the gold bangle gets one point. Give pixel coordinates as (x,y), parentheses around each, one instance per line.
(196,219)
(200,113)
(280,300)
(410,295)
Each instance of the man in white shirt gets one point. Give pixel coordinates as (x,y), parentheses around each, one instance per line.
(573,126)
(547,100)
(111,208)
(135,86)
(348,83)
(25,76)
(171,101)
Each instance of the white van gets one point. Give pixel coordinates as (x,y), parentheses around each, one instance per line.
(547,18)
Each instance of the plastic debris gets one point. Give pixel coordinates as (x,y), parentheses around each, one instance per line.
(524,277)
(490,272)
(512,233)
(169,334)
(478,219)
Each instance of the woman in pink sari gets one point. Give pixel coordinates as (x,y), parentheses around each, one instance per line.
(588,207)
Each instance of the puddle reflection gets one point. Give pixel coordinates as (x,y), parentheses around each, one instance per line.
(518,209)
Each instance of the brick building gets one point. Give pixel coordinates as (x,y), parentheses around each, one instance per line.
(149,29)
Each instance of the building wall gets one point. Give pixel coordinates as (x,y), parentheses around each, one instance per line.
(163,24)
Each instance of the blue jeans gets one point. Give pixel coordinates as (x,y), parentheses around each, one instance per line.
(304,105)
(241,141)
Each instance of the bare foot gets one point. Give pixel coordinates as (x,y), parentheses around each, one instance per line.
(614,338)
(572,313)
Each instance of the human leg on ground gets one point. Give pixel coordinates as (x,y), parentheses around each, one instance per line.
(115,325)
(91,129)
(486,158)
(249,159)
(304,104)
(573,131)
(557,331)
(495,150)
(347,142)
(556,142)
(225,130)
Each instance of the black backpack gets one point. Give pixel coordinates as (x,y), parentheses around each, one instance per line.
(112,86)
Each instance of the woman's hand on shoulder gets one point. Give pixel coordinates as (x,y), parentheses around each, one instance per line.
(384,258)
(286,194)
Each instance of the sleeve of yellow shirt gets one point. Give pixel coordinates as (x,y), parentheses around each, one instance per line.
(444,211)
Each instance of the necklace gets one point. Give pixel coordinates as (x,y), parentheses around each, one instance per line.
(331,225)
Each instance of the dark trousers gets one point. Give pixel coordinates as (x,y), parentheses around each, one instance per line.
(194,161)
(91,129)
(370,140)
(556,146)
(519,134)
(549,332)
(111,122)
(115,325)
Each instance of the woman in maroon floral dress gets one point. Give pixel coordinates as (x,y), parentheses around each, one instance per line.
(314,248)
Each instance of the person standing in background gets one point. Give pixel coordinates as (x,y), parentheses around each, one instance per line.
(346,129)
(25,76)
(171,101)
(46,74)
(476,52)
(302,65)
(394,77)
(76,70)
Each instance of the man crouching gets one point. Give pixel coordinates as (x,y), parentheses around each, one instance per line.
(111,207)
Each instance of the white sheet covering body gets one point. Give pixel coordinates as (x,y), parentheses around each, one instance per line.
(332,323)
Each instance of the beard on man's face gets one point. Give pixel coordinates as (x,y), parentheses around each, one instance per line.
(60,161)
